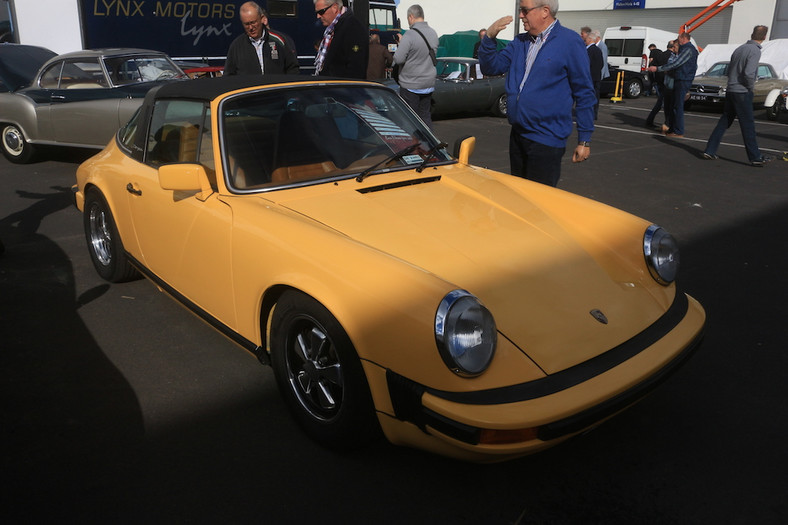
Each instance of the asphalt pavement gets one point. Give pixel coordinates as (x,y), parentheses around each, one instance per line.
(120,406)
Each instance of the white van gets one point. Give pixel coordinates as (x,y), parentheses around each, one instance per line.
(627,46)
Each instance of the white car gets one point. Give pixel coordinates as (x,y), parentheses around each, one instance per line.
(776,103)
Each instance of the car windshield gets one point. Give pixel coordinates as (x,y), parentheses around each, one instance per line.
(719,69)
(314,134)
(140,68)
(450,70)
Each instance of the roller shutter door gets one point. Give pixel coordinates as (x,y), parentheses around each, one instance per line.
(715,31)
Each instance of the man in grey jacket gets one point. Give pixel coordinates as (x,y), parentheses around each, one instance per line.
(415,57)
(742,72)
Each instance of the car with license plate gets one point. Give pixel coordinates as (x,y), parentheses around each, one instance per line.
(393,286)
(77,99)
(710,88)
(460,87)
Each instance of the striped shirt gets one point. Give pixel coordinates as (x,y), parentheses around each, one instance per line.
(533,50)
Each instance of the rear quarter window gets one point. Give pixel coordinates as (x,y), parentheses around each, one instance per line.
(633,47)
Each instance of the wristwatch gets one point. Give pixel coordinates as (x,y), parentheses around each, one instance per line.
(585,143)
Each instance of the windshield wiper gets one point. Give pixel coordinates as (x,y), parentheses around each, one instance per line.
(430,153)
(396,156)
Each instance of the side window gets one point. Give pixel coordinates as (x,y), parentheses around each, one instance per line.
(51,77)
(85,74)
(615,47)
(633,47)
(764,72)
(128,133)
(175,132)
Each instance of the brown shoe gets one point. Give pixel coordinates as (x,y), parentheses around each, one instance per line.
(674,135)
(665,128)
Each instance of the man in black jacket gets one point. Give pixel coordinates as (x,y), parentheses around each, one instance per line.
(344,50)
(260,50)
(596,61)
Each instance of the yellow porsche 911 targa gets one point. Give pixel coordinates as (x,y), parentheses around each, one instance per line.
(391,285)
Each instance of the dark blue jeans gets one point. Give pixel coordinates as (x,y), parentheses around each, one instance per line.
(420,103)
(533,161)
(657,105)
(680,90)
(736,105)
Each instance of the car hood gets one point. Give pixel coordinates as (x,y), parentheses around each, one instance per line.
(538,281)
(19,64)
(711,81)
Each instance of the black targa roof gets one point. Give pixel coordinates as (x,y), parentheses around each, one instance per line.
(209,88)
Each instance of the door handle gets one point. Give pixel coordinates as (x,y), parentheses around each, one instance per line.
(131,189)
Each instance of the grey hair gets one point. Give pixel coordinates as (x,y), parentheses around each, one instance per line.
(416,11)
(596,34)
(550,4)
(255,7)
(330,2)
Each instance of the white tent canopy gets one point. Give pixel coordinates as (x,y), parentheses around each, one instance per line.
(774,52)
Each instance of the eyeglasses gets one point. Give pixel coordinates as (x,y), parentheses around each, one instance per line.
(525,10)
(321,12)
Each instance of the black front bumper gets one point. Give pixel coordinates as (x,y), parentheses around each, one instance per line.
(406,394)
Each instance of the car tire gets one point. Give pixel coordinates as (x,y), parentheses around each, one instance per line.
(500,109)
(633,88)
(104,244)
(15,148)
(773,112)
(320,375)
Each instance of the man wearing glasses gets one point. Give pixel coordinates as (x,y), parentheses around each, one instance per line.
(260,50)
(344,50)
(548,73)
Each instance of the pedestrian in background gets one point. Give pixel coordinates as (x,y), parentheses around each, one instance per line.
(482,32)
(379,58)
(416,59)
(742,73)
(260,50)
(603,48)
(344,50)
(683,70)
(548,74)
(595,58)
(658,58)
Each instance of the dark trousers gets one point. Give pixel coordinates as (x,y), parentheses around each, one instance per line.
(657,105)
(736,105)
(533,161)
(680,90)
(668,97)
(421,104)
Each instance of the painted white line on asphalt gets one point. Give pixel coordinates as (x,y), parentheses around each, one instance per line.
(685,138)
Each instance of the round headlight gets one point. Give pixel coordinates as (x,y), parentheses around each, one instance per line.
(662,254)
(466,334)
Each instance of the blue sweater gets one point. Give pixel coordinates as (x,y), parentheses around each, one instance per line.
(560,78)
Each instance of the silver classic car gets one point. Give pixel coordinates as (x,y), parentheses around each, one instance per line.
(76,99)
(710,88)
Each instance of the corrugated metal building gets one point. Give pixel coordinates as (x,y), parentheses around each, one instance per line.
(733,25)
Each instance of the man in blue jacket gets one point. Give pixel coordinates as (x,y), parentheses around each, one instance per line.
(548,73)
(683,71)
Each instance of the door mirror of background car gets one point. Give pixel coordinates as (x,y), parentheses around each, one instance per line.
(185,177)
(463,149)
